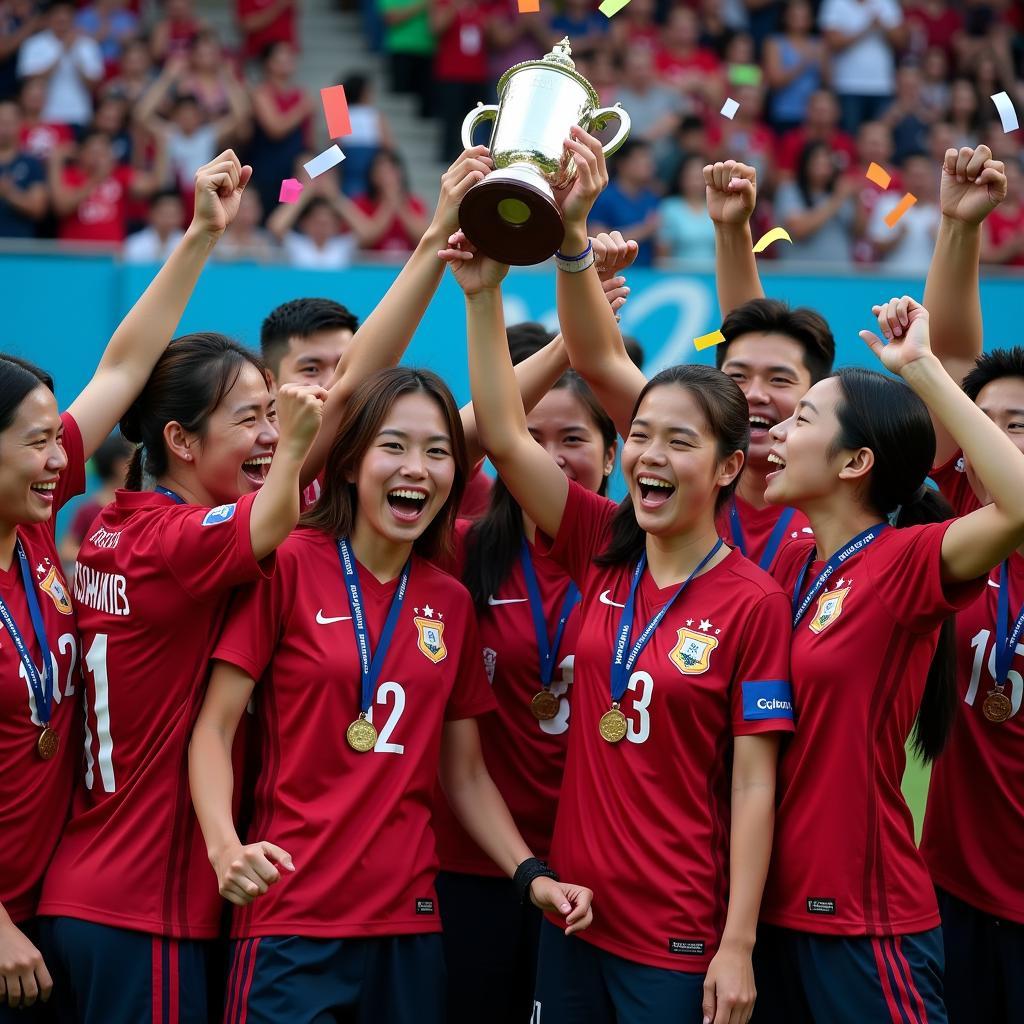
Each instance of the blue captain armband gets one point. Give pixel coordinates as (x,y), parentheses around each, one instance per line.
(767,698)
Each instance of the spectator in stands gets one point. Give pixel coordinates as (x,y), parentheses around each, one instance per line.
(394,218)
(988,25)
(796,66)
(874,145)
(720,22)
(822,125)
(686,231)
(1003,238)
(370,132)
(245,240)
(70,62)
(764,19)
(746,133)
(174,32)
(111,118)
(18,20)
(909,116)
(863,36)
(586,28)
(90,196)
(262,23)
(40,137)
(153,244)
(207,75)
(636,27)
(111,24)
(460,67)
(654,108)
(682,63)
(191,138)
(818,210)
(136,73)
(935,82)
(629,204)
(281,122)
(410,45)
(22,179)
(909,244)
(963,112)
(510,38)
(932,24)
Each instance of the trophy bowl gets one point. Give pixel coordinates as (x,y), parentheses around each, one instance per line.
(512,215)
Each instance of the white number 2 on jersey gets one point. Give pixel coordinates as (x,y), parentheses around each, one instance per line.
(65,643)
(980,644)
(384,691)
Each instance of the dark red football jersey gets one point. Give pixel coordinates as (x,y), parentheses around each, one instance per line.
(757,525)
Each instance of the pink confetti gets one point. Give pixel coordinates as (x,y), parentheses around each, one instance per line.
(291,189)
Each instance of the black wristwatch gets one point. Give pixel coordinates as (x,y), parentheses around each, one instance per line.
(530,869)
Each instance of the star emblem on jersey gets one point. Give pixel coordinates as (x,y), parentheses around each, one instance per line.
(53,587)
(830,607)
(430,633)
(692,652)
(705,625)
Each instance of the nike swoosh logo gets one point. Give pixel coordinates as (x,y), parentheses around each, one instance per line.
(992,583)
(492,600)
(605,599)
(327,621)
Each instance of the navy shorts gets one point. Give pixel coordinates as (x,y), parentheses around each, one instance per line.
(984,964)
(104,975)
(490,949)
(293,979)
(804,978)
(39,1012)
(577,983)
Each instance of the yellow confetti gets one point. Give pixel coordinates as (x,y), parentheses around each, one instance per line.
(612,7)
(772,236)
(708,340)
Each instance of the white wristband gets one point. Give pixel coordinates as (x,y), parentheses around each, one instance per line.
(576,264)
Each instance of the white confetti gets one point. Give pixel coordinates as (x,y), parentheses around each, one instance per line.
(1006,112)
(729,108)
(329,158)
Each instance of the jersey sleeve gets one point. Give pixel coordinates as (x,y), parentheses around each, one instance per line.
(762,699)
(471,694)
(951,480)
(906,573)
(582,533)
(72,480)
(209,550)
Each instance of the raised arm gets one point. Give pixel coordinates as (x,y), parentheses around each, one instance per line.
(143,335)
(153,98)
(973,185)
(979,541)
(731,189)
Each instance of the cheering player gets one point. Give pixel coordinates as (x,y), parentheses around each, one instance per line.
(369,676)
(851,918)
(42,459)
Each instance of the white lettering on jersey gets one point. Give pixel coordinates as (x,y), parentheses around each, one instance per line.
(105,538)
(104,591)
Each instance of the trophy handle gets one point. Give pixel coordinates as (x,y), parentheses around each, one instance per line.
(477,116)
(600,118)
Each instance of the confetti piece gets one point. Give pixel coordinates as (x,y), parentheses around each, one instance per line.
(729,108)
(612,7)
(291,189)
(336,111)
(1006,112)
(529,6)
(878,175)
(330,157)
(775,235)
(708,340)
(905,204)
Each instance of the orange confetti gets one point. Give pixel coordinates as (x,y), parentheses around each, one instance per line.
(905,204)
(336,111)
(878,175)
(529,6)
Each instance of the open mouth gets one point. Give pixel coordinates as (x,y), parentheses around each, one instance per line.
(45,490)
(407,503)
(255,469)
(654,492)
(760,425)
(774,459)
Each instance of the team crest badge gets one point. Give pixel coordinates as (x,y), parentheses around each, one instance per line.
(692,654)
(830,607)
(430,639)
(53,586)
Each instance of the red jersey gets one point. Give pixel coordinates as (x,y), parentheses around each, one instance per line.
(101,216)
(1001,227)
(41,139)
(280,30)
(844,860)
(461,50)
(152,584)
(35,794)
(951,479)
(757,525)
(356,824)
(396,238)
(477,496)
(524,757)
(843,149)
(645,822)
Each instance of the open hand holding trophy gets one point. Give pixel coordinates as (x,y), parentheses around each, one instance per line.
(512,215)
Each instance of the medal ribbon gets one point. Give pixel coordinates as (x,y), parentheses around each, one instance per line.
(861,541)
(622,663)
(1006,638)
(370,664)
(167,493)
(547,651)
(42,687)
(774,540)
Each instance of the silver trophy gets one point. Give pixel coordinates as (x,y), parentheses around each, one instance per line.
(512,215)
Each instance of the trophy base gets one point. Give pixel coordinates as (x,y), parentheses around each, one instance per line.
(512,217)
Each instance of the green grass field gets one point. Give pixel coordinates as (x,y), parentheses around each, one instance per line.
(915,789)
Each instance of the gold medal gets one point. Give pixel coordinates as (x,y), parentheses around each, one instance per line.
(361,735)
(48,743)
(613,725)
(544,706)
(996,706)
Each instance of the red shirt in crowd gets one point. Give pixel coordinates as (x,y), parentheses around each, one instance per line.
(1003,226)
(396,238)
(793,142)
(102,215)
(461,49)
(281,30)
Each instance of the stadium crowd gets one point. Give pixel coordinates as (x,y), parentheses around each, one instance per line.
(107,109)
